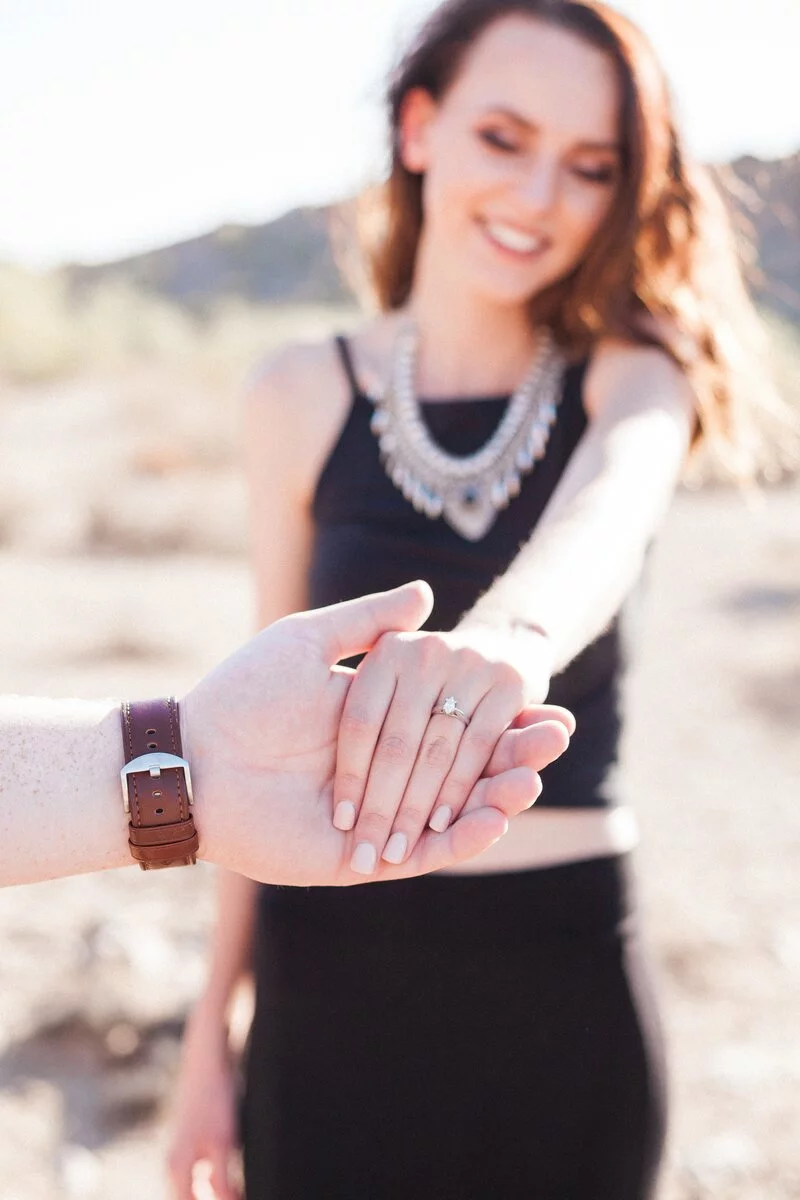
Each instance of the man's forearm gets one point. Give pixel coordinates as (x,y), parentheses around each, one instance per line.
(60,800)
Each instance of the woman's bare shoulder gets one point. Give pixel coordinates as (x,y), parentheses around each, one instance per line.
(295,404)
(626,376)
(312,373)
(302,388)
(293,377)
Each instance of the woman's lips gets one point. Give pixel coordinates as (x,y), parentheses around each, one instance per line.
(515,241)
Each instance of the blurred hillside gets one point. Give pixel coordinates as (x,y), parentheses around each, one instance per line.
(286,261)
(290,260)
(765,198)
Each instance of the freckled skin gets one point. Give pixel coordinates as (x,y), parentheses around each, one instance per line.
(64,755)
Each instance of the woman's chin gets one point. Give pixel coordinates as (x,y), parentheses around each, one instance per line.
(505,293)
(509,285)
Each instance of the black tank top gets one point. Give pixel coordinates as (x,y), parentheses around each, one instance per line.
(368,538)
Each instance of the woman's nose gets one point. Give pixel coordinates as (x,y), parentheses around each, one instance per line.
(538,188)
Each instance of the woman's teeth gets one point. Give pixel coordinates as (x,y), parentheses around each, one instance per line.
(514,239)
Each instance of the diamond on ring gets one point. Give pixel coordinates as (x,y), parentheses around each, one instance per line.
(449,708)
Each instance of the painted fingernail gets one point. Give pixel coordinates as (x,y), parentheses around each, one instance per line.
(364,859)
(345,815)
(441,818)
(396,848)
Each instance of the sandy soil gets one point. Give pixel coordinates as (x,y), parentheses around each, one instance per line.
(91,1009)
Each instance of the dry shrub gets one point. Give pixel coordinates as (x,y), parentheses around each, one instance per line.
(48,333)
(37,326)
(773,436)
(237,333)
(192,512)
(138,453)
(117,325)
(784,340)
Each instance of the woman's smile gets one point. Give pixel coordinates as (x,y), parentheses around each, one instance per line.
(512,241)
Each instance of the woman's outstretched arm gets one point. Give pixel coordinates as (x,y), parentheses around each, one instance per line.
(587,550)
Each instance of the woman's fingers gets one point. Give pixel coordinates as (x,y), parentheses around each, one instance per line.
(401,766)
(202,1178)
(456,749)
(510,793)
(205,1126)
(437,751)
(466,838)
(457,745)
(495,800)
(532,714)
(396,753)
(368,700)
(490,719)
(219,1175)
(535,746)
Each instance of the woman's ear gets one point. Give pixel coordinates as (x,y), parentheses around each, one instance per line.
(417,111)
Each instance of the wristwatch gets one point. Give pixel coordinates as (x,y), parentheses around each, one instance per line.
(157,786)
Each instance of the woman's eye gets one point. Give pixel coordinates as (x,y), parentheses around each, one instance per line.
(497,140)
(596,174)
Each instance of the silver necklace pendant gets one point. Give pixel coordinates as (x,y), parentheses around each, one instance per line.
(470,490)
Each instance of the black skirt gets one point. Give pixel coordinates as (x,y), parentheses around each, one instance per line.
(487,1037)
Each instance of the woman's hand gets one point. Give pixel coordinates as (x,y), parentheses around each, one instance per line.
(204,1129)
(400,766)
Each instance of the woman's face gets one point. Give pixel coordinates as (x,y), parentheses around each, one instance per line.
(521,158)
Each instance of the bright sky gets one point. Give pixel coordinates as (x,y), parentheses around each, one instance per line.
(130,124)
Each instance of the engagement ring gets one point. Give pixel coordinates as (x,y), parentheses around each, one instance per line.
(449,708)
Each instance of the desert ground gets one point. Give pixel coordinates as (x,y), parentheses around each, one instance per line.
(97,973)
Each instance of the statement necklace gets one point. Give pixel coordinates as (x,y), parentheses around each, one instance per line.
(467,490)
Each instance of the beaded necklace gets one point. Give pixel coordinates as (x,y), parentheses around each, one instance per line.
(468,491)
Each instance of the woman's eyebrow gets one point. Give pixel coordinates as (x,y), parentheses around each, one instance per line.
(501,110)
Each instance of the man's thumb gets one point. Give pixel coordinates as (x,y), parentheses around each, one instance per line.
(355,626)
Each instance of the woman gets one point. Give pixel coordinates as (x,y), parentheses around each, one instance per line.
(510,427)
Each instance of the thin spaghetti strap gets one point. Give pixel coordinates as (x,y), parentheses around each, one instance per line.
(347,364)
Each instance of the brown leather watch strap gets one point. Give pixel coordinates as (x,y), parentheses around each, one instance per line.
(158,791)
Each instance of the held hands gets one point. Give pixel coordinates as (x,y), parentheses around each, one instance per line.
(261,732)
(424,715)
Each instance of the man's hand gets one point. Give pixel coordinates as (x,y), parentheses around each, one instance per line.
(261,732)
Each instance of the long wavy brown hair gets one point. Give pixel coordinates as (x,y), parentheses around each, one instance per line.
(663,268)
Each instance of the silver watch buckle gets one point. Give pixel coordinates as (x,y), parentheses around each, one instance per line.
(154,764)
